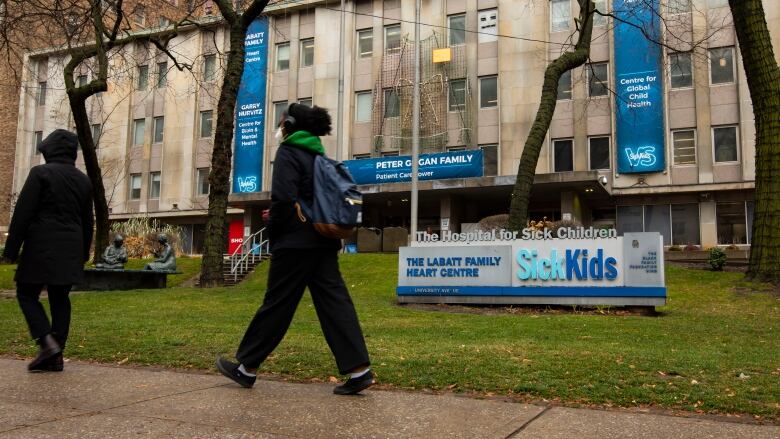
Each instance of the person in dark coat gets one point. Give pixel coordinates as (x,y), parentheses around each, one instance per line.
(52,227)
(301,258)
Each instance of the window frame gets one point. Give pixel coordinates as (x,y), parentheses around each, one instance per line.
(695,147)
(96,137)
(152,182)
(303,53)
(278,114)
(482,78)
(162,74)
(451,96)
(40,98)
(199,184)
(670,11)
(360,53)
(491,34)
(552,153)
(136,122)
(201,124)
(363,156)
(370,108)
(209,74)
(394,50)
(737,146)
(484,162)
(143,72)
(277,60)
(669,61)
(37,139)
(733,66)
(133,178)
(570,91)
(590,147)
(387,92)
(450,29)
(568,21)
(600,20)
(605,82)
(310,100)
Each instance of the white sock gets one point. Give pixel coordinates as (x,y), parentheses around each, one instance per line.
(242,370)
(359,374)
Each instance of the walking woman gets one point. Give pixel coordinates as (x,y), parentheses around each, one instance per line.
(52,226)
(301,258)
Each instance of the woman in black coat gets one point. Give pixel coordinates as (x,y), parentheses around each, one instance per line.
(52,226)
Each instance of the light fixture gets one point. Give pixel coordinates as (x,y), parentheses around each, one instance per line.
(722,62)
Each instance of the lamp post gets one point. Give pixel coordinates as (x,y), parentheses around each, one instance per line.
(415,120)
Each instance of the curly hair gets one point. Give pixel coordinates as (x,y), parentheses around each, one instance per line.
(315,120)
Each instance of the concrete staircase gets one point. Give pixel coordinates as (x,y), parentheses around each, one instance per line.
(242,270)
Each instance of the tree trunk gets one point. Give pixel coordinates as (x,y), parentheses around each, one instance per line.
(521,194)
(84,132)
(763,78)
(219,177)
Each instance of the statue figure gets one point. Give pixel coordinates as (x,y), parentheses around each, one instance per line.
(115,256)
(165,259)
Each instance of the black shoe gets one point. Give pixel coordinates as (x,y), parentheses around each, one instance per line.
(56,364)
(49,348)
(355,385)
(230,370)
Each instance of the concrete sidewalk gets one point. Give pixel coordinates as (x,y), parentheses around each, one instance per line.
(91,401)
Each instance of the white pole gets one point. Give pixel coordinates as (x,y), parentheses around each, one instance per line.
(415,118)
(340,111)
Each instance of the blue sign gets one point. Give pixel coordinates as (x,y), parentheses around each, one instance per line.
(639,83)
(250,111)
(460,164)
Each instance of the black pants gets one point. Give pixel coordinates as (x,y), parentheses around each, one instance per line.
(59,305)
(291,271)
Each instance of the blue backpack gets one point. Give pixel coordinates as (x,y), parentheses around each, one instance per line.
(336,203)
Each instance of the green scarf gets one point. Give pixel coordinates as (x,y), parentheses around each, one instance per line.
(305,140)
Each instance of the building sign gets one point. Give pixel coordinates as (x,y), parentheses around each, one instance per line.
(250,111)
(235,235)
(460,164)
(592,267)
(639,87)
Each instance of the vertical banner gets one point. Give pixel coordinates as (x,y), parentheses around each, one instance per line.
(250,111)
(639,87)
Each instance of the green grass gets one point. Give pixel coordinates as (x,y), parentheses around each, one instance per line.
(690,357)
(7,276)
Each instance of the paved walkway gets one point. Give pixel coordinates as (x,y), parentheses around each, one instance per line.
(90,401)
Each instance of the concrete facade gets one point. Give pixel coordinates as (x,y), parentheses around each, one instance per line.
(705,201)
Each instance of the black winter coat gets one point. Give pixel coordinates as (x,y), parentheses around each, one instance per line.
(53,219)
(292,181)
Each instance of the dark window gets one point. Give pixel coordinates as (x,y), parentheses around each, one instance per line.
(630,219)
(143,77)
(563,155)
(680,69)
(657,220)
(598,80)
(488,92)
(203,181)
(722,65)
(392,104)
(457,29)
(206,123)
(564,86)
(732,223)
(725,140)
(685,224)
(489,160)
(162,74)
(159,128)
(599,153)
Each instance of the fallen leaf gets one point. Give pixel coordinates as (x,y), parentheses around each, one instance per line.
(333,379)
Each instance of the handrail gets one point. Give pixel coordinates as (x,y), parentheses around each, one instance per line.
(247,247)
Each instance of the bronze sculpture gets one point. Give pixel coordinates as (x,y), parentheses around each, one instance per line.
(165,259)
(115,256)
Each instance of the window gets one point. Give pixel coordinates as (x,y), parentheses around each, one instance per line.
(139,131)
(143,77)
(678,6)
(135,186)
(361,156)
(630,219)
(457,97)
(365,43)
(680,69)
(392,104)
(732,223)
(684,147)
(487,21)
(489,160)
(307,52)
(305,101)
(563,155)
(164,21)
(154,185)
(41,98)
(139,15)
(599,152)
(363,104)
(393,38)
(560,15)
(206,123)
(724,140)
(209,67)
(598,79)
(601,6)
(162,74)
(685,224)
(159,128)
(37,139)
(722,65)
(81,81)
(282,57)
(203,181)
(390,154)
(97,131)
(279,109)
(564,86)
(658,219)
(488,92)
(456,29)
(456,148)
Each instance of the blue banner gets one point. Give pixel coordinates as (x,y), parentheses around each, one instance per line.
(250,111)
(639,87)
(460,164)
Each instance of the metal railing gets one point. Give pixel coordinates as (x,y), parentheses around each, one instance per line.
(253,246)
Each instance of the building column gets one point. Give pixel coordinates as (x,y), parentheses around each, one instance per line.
(571,204)
(448,212)
(708,223)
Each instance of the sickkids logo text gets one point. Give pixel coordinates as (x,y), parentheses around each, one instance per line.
(574,264)
(641,156)
(247,184)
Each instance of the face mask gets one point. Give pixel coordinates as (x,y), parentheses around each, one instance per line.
(278,134)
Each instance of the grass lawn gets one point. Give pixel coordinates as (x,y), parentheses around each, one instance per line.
(690,357)
(7,277)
